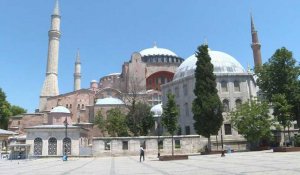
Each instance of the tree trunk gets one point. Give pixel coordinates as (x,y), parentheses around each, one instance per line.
(172,145)
(209,144)
(284,143)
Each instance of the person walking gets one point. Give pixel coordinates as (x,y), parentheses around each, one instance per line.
(142,154)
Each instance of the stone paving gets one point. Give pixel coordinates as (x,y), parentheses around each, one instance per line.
(263,162)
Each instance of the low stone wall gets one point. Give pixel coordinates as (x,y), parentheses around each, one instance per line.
(118,146)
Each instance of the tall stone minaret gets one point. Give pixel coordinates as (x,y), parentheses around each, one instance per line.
(50,86)
(255,45)
(77,73)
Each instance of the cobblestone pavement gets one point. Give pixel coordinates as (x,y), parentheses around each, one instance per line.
(263,162)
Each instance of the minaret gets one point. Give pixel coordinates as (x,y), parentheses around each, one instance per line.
(50,86)
(255,45)
(77,73)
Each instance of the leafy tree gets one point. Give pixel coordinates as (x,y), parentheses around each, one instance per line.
(116,123)
(139,119)
(252,120)
(16,110)
(100,121)
(207,107)
(169,117)
(282,112)
(280,75)
(4,110)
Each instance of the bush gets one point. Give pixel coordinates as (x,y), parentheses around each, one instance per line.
(297,140)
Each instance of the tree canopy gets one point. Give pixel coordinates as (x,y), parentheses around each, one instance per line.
(252,120)
(207,107)
(280,75)
(116,123)
(139,119)
(4,110)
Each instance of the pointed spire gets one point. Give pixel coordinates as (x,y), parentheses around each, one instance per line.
(78,56)
(205,41)
(252,23)
(56,8)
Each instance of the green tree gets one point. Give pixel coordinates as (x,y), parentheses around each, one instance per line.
(207,107)
(4,110)
(16,110)
(282,112)
(169,117)
(100,121)
(252,120)
(280,75)
(139,119)
(116,123)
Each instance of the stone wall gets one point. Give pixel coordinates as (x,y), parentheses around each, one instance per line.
(188,145)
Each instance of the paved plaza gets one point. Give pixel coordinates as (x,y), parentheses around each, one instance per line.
(263,162)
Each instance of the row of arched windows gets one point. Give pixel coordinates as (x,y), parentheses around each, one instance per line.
(226,108)
(52,146)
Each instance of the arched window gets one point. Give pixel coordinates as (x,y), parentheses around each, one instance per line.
(225,105)
(238,103)
(237,87)
(224,86)
(52,146)
(38,146)
(67,146)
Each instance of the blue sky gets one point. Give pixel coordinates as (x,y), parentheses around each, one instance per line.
(107,32)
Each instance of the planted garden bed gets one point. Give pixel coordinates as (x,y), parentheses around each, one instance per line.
(286,149)
(175,157)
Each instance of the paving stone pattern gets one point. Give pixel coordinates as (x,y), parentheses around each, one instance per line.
(263,162)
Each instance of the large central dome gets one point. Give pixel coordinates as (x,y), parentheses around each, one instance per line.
(157,51)
(223,63)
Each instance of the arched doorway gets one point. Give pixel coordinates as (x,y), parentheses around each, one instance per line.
(52,146)
(38,146)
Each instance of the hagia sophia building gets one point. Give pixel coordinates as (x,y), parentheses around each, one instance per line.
(151,73)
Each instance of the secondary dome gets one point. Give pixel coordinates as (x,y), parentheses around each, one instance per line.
(60,109)
(157,51)
(109,101)
(223,63)
(157,110)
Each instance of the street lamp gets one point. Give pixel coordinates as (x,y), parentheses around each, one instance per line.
(158,134)
(66,135)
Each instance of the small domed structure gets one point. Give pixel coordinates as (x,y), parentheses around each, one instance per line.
(60,109)
(157,110)
(223,63)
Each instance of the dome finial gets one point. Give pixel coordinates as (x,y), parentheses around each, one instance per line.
(205,41)
(155,44)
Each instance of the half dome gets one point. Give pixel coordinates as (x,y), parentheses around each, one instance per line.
(223,63)
(60,109)
(109,101)
(157,51)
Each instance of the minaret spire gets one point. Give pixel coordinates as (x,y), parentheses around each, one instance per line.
(50,86)
(77,73)
(255,45)
(56,8)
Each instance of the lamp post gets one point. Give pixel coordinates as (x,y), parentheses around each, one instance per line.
(66,135)
(158,134)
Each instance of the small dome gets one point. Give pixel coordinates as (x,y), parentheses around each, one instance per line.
(109,101)
(157,110)
(157,51)
(223,63)
(60,109)
(94,81)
